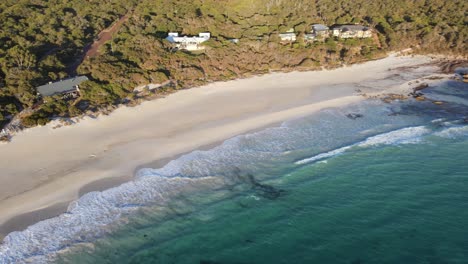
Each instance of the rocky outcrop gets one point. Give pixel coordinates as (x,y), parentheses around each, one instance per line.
(450,66)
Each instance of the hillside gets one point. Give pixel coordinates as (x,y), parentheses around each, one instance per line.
(43,41)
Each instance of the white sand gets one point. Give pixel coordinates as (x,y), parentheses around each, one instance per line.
(44,166)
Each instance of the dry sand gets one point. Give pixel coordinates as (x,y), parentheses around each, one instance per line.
(43,169)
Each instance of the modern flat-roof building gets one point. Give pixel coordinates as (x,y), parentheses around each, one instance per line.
(188,42)
(288,36)
(351,31)
(67,86)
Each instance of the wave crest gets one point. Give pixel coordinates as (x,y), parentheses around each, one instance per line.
(453,132)
(408,135)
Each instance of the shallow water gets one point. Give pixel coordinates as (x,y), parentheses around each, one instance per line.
(366,183)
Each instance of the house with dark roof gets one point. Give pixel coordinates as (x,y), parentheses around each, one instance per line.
(318,32)
(68,87)
(351,31)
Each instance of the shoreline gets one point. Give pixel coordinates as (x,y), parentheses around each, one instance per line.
(444,61)
(21,222)
(100,153)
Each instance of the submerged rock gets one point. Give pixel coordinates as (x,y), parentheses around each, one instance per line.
(266,191)
(421,87)
(415,94)
(354,116)
(392,97)
(5,138)
(263,190)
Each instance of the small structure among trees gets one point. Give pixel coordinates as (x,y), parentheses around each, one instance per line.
(68,88)
(318,32)
(188,43)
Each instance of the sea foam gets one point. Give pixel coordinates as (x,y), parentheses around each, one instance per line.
(406,135)
(453,132)
(90,217)
(98,213)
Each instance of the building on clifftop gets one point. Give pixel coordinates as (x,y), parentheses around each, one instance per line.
(318,32)
(190,43)
(288,36)
(351,31)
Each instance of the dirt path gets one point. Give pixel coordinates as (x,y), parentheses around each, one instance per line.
(93,49)
(105,36)
(376,40)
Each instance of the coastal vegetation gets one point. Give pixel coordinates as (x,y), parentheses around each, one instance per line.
(43,41)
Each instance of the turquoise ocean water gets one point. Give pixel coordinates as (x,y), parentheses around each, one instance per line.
(371,182)
(391,204)
(390,186)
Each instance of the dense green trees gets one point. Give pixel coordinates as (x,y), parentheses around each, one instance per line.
(43,41)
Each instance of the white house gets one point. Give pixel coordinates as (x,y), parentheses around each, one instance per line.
(351,31)
(188,43)
(289,36)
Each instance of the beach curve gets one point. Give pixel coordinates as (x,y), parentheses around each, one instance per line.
(44,167)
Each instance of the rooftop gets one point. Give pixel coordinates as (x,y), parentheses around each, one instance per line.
(61,86)
(319,27)
(351,27)
(174,37)
(288,34)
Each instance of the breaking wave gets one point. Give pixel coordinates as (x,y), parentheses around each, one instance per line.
(97,214)
(89,218)
(325,155)
(453,132)
(406,135)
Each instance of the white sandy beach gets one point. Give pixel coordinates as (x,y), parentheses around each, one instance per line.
(43,167)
